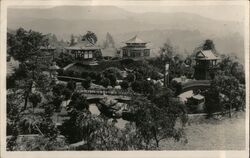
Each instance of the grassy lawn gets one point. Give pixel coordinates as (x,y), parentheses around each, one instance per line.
(212,134)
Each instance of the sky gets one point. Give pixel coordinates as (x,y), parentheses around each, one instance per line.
(218,12)
(214,10)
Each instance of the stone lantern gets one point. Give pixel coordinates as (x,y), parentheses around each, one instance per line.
(53,71)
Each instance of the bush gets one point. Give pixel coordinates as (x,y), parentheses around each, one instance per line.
(105,82)
(124,85)
(127,61)
(86,83)
(71,85)
(212,102)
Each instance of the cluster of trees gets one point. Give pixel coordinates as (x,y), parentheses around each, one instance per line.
(34,98)
(227,90)
(109,42)
(150,123)
(226,93)
(178,65)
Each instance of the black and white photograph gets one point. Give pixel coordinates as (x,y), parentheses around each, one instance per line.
(129,76)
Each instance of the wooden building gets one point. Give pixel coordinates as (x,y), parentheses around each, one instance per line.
(48,51)
(206,65)
(135,48)
(84,51)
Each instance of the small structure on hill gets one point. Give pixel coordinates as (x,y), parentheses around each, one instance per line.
(84,51)
(135,48)
(206,65)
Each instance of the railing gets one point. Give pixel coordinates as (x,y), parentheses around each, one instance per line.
(194,84)
(70,78)
(109,92)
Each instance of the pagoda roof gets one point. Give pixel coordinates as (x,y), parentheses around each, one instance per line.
(83,45)
(135,39)
(206,55)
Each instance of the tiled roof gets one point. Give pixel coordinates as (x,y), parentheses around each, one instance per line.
(83,45)
(135,39)
(206,55)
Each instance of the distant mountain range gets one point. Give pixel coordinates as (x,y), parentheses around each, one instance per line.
(184,30)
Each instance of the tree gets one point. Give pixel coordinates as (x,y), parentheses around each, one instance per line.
(230,66)
(212,101)
(112,79)
(130,77)
(35,98)
(86,83)
(78,102)
(25,47)
(91,37)
(66,92)
(167,51)
(112,70)
(228,88)
(71,85)
(124,85)
(154,123)
(105,82)
(137,86)
(209,45)
(24,44)
(72,40)
(109,42)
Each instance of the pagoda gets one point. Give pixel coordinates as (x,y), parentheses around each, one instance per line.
(135,48)
(206,65)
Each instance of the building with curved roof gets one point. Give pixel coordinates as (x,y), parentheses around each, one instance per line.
(135,48)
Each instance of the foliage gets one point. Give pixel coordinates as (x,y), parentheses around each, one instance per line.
(226,93)
(71,85)
(90,36)
(230,66)
(105,82)
(176,87)
(86,83)
(144,87)
(112,70)
(78,102)
(109,42)
(35,98)
(155,123)
(130,77)
(64,59)
(209,45)
(22,121)
(23,44)
(72,40)
(212,102)
(57,89)
(112,79)
(124,85)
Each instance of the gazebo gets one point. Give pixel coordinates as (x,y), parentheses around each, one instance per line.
(206,65)
(135,47)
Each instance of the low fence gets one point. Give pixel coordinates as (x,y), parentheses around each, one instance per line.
(196,118)
(109,92)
